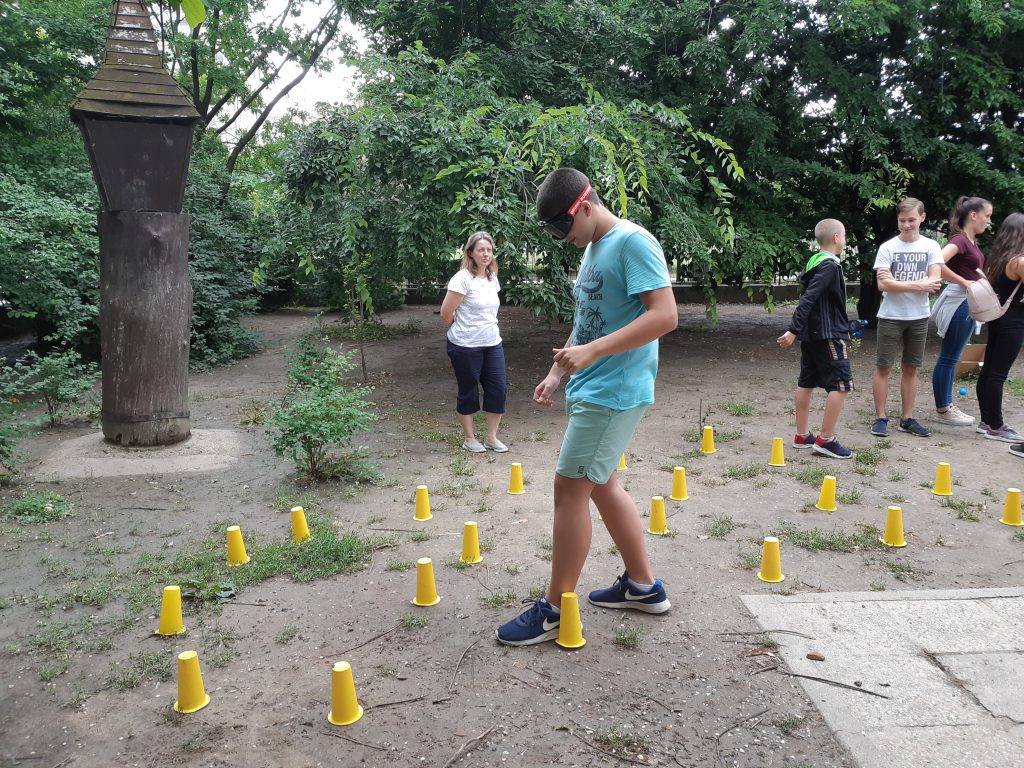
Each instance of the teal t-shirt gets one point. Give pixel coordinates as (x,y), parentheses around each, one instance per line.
(615,270)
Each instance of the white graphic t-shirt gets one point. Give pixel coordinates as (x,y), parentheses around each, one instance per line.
(907,262)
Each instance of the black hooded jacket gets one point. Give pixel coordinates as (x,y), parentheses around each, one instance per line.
(821,313)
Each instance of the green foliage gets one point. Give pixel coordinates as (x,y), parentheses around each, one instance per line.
(60,380)
(42,507)
(320,413)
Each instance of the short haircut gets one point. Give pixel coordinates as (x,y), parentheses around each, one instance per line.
(826,229)
(908,204)
(560,189)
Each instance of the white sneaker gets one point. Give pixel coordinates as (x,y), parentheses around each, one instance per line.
(497,446)
(954,417)
(473,446)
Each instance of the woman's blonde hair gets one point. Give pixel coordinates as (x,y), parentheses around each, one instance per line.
(467,249)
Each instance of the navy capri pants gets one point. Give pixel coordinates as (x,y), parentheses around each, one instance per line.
(475,368)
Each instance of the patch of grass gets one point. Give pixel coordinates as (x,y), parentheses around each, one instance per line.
(737,409)
(746,471)
(368,329)
(801,764)
(812,476)
(630,745)
(723,436)
(399,565)
(817,540)
(628,636)
(720,527)
(456,564)
(896,476)
(412,621)
(57,568)
(538,591)
(253,414)
(987,492)
(462,466)
(769,642)
(748,561)
(613,549)
(442,436)
(36,508)
(788,724)
(546,549)
(97,592)
(903,570)
(538,436)
(853,496)
(482,507)
(1015,386)
(49,672)
(868,457)
(1018,536)
(513,569)
(139,667)
(895,498)
(284,500)
(963,508)
(507,599)
(423,535)
(878,586)
(287,634)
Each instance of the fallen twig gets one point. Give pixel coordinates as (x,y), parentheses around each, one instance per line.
(460,750)
(65,761)
(367,642)
(457,666)
(831,682)
(254,605)
(769,632)
(355,741)
(738,723)
(393,703)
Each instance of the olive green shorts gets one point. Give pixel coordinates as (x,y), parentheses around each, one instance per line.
(595,440)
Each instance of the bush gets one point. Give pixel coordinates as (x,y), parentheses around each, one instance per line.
(61,380)
(320,413)
(36,508)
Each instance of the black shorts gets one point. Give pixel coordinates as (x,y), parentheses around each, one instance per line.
(825,363)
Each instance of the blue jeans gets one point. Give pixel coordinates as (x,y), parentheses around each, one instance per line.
(959,332)
(476,368)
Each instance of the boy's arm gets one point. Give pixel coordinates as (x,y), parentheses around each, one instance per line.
(543,391)
(819,282)
(889,284)
(661,317)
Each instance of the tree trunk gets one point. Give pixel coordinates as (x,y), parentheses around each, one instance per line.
(145,326)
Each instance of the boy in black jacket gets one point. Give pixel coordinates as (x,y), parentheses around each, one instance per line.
(823,328)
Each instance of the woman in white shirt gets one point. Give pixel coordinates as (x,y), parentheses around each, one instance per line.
(470,310)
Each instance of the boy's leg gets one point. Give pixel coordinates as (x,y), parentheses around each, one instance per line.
(625,526)
(802,401)
(833,407)
(908,390)
(571,533)
(880,390)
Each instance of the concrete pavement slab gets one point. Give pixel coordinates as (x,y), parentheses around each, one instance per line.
(950,662)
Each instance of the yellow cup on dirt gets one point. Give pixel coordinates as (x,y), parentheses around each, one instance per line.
(707,440)
(515,480)
(426,589)
(170,612)
(300,530)
(422,504)
(345,708)
(236,547)
(1011,508)
(659,524)
(943,480)
(893,536)
(192,696)
(827,497)
(679,485)
(771,561)
(778,455)
(570,627)
(471,543)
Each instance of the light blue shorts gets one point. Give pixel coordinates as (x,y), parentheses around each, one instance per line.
(595,440)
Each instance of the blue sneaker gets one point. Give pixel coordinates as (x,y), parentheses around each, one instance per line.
(914,427)
(622,594)
(831,448)
(881,427)
(536,624)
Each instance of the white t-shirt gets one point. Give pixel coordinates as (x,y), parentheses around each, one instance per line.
(907,262)
(476,318)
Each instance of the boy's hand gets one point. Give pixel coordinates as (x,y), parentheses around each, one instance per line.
(931,284)
(573,359)
(542,394)
(786,339)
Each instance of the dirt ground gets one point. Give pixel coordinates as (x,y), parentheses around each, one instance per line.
(83,682)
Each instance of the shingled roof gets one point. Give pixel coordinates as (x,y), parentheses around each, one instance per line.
(133,83)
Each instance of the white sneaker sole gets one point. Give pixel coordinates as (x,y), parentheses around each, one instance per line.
(661,607)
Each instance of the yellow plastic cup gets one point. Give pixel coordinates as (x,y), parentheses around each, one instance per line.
(570,627)
(679,485)
(778,455)
(170,612)
(515,480)
(893,536)
(470,543)
(426,589)
(659,524)
(300,530)
(345,708)
(1011,508)
(236,547)
(707,440)
(827,497)
(191,695)
(943,480)
(422,504)
(771,561)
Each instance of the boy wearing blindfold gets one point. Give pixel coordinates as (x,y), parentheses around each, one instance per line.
(624,303)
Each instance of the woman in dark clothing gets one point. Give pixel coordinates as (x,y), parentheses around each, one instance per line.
(1004,269)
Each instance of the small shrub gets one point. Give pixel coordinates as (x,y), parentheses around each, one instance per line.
(628,636)
(61,380)
(501,600)
(720,527)
(737,409)
(254,414)
(412,621)
(812,476)
(36,508)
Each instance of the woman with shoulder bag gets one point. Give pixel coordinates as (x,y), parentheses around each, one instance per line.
(1005,268)
(963,260)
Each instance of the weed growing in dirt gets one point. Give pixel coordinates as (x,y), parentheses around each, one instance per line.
(49,672)
(287,634)
(745,471)
(1018,536)
(817,540)
(456,564)
(368,329)
(963,508)
(412,621)
(628,636)
(632,746)
(852,496)
(812,476)
(420,536)
(986,491)
(253,415)
(139,667)
(737,409)
(513,569)
(720,527)
(904,571)
(286,498)
(868,457)
(896,476)
(748,561)
(723,436)
(42,507)
(546,548)
(462,467)
(399,565)
(788,724)
(767,641)
(507,599)
(878,586)
(538,591)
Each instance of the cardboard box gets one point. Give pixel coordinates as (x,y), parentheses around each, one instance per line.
(970,361)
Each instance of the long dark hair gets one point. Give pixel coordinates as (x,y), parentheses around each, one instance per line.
(962,208)
(1009,244)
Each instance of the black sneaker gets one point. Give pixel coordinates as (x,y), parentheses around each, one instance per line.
(831,448)
(914,427)
(1017,449)
(880,428)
